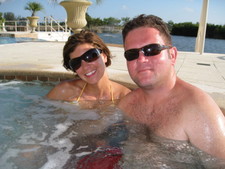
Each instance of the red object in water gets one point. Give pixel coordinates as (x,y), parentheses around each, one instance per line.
(103,159)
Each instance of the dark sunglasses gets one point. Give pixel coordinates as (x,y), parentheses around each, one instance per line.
(89,56)
(148,50)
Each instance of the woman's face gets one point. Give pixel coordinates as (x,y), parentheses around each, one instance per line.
(91,72)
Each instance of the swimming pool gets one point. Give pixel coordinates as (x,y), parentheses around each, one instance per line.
(7,40)
(39,133)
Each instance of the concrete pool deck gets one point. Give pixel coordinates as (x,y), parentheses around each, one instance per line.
(43,61)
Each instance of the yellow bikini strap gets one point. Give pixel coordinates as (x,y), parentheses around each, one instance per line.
(111,91)
(81,92)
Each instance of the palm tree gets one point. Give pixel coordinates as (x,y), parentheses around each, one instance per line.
(33,7)
(98,1)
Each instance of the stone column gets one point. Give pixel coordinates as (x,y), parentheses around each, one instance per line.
(200,40)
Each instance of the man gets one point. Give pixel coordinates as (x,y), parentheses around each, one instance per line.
(170,107)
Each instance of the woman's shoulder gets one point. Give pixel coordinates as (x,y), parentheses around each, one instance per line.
(68,84)
(66,89)
(120,89)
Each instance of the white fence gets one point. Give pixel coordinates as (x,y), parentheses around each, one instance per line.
(48,25)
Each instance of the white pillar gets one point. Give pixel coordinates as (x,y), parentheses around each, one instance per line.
(3,27)
(200,40)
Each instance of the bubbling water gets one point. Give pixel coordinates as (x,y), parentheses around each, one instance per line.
(39,133)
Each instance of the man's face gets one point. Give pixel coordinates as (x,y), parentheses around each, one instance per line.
(147,71)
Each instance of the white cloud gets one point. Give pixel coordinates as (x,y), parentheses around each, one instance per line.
(124,7)
(189,10)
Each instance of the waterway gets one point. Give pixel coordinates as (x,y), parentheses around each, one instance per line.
(183,43)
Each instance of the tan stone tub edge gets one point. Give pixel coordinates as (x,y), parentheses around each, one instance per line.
(29,75)
(54,76)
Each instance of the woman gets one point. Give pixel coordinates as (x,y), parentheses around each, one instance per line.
(88,56)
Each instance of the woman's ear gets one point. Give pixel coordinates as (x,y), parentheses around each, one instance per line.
(173,55)
(104,57)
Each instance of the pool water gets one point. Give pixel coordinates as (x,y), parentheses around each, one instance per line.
(7,40)
(39,133)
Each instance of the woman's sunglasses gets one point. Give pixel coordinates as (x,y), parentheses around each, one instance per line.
(148,50)
(89,56)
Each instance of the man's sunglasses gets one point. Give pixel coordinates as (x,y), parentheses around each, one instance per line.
(148,50)
(89,56)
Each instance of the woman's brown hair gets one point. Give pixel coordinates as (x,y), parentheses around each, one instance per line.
(81,38)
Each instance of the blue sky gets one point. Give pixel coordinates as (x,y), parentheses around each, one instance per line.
(175,10)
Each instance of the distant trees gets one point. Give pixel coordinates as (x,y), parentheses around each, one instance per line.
(93,21)
(9,16)
(215,31)
(181,29)
(111,21)
(124,20)
(191,29)
(185,29)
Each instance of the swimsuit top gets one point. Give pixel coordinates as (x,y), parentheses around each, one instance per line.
(111,92)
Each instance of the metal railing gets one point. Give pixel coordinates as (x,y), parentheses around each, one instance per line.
(48,25)
(52,25)
(16,26)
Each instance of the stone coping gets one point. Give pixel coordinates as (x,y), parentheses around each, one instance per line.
(19,34)
(27,75)
(49,76)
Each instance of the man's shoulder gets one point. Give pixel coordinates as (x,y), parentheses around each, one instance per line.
(188,90)
(128,99)
(196,100)
(192,98)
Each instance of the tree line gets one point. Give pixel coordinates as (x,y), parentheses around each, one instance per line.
(191,29)
(181,29)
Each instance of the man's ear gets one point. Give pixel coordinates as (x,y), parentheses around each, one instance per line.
(173,55)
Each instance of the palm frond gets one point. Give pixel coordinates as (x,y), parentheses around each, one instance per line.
(33,7)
